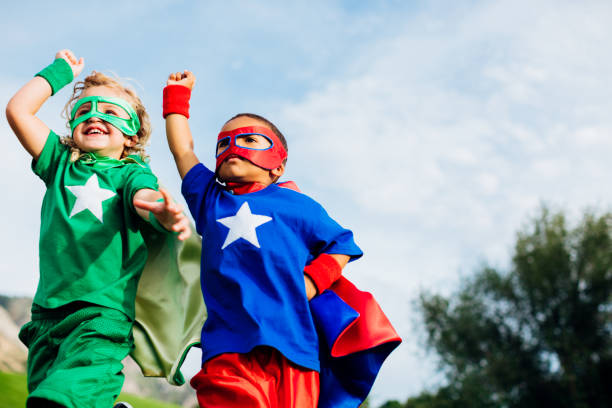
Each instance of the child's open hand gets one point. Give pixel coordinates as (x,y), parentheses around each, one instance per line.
(186,79)
(168,213)
(77,66)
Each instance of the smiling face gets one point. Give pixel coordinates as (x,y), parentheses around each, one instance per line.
(97,136)
(240,170)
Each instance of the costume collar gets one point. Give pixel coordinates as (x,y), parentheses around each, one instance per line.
(105,162)
(245,188)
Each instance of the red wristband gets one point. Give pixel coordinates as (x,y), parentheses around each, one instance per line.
(324,270)
(176,100)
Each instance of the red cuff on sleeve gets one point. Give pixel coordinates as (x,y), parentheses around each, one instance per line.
(176,100)
(324,270)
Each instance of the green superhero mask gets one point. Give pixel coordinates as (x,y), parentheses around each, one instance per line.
(127,126)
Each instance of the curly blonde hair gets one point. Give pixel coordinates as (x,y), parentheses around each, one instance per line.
(100,79)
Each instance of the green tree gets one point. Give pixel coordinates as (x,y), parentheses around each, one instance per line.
(537,335)
(392,404)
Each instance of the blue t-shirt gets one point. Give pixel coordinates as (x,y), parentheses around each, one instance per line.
(255,247)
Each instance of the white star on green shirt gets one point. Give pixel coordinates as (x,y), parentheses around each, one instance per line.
(90,197)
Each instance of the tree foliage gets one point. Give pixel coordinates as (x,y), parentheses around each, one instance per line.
(535,335)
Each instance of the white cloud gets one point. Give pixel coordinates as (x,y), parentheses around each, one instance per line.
(446,141)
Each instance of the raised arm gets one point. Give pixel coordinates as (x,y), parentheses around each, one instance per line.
(176,113)
(23,106)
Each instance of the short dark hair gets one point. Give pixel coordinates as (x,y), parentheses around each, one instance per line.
(271,125)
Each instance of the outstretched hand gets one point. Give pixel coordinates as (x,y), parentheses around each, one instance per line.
(168,213)
(76,65)
(186,78)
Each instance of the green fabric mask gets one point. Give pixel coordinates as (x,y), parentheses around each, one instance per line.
(127,126)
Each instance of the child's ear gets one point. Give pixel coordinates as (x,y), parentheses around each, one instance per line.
(131,141)
(277,172)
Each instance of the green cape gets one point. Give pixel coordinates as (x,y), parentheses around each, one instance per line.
(170,310)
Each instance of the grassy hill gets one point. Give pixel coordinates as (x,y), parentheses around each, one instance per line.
(13,390)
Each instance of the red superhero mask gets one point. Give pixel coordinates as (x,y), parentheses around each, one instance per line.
(268,153)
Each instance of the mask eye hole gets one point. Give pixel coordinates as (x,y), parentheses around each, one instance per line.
(113,110)
(83,109)
(255,141)
(222,145)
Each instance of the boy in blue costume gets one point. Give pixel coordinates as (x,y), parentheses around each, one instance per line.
(267,251)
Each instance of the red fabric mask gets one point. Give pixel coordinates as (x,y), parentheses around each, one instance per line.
(268,158)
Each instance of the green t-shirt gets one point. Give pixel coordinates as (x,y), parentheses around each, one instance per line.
(91,248)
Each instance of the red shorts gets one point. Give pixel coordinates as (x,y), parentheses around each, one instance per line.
(262,378)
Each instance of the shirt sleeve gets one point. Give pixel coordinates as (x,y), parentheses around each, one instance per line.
(140,176)
(46,165)
(326,236)
(195,187)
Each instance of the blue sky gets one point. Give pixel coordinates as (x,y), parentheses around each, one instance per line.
(433,130)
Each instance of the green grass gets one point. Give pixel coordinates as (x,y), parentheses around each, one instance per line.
(13,393)
(13,390)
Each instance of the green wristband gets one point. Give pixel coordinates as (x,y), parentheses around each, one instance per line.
(58,74)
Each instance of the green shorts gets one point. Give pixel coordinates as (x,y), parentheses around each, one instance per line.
(75,354)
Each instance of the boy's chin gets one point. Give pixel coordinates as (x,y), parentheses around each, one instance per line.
(233,180)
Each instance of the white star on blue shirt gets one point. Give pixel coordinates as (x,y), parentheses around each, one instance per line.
(242,225)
